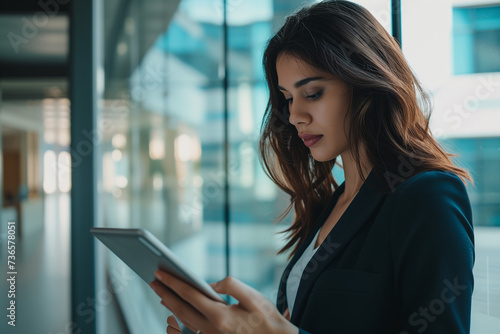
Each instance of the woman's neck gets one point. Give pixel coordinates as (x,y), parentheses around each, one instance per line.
(353,180)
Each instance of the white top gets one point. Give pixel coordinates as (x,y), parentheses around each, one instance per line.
(293,281)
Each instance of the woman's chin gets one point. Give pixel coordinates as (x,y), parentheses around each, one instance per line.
(322,157)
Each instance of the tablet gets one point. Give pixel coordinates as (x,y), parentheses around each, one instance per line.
(144,254)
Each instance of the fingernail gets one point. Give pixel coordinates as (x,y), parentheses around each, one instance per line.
(158,275)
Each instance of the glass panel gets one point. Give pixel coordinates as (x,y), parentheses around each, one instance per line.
(162,142)
(449,55)
(476,39)
(49,177)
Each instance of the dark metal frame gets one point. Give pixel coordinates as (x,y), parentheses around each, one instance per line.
(396,21)
(84,112)
(226,135)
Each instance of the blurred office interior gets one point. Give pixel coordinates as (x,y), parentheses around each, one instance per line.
(128,113)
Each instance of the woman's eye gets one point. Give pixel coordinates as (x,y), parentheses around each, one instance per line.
(289,100)
(314,97)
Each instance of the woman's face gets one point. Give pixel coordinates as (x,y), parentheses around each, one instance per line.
(318,103)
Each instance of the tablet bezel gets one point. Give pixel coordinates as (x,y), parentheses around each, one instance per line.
(160,256)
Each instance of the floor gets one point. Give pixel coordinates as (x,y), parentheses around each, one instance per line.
(42,296)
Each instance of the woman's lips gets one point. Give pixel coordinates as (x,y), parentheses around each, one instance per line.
(310,140)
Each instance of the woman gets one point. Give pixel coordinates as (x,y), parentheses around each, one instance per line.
(388,251)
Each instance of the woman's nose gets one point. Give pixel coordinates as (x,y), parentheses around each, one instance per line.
(298,114)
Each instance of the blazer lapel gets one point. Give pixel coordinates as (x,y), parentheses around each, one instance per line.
(357,213)
(281,303)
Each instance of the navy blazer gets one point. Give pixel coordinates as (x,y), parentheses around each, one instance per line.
(397,261)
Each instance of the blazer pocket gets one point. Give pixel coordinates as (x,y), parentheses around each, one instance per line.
(347,280)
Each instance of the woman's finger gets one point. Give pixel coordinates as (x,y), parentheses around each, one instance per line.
(171,321)
(204,305)
(172,330)
(187,314)
(248,297)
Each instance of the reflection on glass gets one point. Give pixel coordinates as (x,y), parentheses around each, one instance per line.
(116,155)
(476,42)
(119,141)
(63,171)
(156,145)
(49,172)
(162,141)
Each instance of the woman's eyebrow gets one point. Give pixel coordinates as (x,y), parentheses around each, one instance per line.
(302,82)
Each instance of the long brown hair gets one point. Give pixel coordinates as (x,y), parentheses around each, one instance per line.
(389,112)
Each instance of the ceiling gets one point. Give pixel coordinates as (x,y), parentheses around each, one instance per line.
(34,42)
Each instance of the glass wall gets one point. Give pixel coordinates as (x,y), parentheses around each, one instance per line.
(456,56)
(162,145)
(476,38)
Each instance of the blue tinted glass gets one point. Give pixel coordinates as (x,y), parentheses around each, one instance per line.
(481,156)
(476,39)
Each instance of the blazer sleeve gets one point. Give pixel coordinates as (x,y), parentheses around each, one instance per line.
(432,248)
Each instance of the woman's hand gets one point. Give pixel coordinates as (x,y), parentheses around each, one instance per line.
(253,314)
